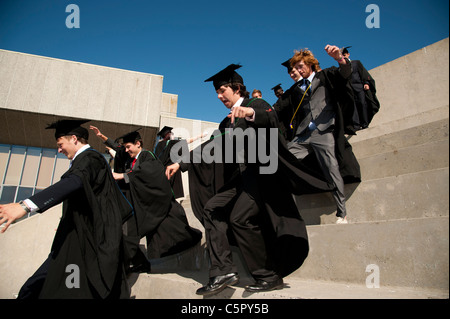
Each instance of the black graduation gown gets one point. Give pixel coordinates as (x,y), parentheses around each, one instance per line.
(342,94)
(284,229)
(89,235)
(162,152)
(159,216)
(122,162)
(372,103)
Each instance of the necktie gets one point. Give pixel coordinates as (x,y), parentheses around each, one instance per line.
(307,82)
(132,164)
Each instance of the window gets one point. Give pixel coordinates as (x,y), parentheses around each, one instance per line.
(24,171)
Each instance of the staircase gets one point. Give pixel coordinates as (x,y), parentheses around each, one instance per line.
(396,244)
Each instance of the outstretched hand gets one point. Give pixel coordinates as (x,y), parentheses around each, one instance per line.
(241,112)
(95,129)
(97,132)
(333,51)
(9,213)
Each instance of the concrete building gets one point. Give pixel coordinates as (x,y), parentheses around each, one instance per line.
(36,90)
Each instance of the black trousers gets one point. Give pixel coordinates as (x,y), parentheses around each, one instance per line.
(33,286)
(361,107)
(133,255)
(237,207)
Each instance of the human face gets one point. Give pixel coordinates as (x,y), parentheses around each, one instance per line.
(67,146)
(227,96)
(279,93)
(294,75)
(133,149)
(304,69)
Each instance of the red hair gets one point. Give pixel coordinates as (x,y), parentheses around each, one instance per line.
(307,57)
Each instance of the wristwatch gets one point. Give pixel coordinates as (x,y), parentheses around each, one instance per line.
(25,207)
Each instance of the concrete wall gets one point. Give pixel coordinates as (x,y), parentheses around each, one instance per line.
(24,247)
(52,86)
(169,104)
(412,90)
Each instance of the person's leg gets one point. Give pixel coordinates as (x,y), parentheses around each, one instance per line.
(248,222)
(33,286)
(323,145)
(222,272)
(216,218)
(134,258)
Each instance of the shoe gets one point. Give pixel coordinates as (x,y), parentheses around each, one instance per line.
(342,220)
(262,285)
(139,268)
(218,283)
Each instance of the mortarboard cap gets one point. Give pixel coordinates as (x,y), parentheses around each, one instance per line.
(276,87)
(344,50)
(227,75)
(287,64)
(164,131)
(130,137)
(69,127)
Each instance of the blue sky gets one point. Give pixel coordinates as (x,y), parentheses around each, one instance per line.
(188,41)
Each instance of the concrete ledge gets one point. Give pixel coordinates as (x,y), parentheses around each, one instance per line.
(24,247)
(416,195)
(409,253)
(393,141)
(183,286)
(439,112)
(424,157)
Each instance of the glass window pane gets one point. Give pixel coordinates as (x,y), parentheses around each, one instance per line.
(4,154)
(8,194)
(15,165)
(46,168)
(31,167)
(24,193)
(62,165)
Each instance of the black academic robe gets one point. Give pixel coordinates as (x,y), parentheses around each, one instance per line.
(372,103)
(284,228)
(122,162)
(162,152)
(341,92)
(89,234)
(159,216)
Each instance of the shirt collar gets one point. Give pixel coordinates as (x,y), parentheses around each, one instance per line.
(138,155)
(81,150)
(238,102)
(311,77)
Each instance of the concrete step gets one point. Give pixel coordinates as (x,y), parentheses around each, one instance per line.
(414,195)
(381,128)
(407,253)
(389,142)
(416,158)
(183,285)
